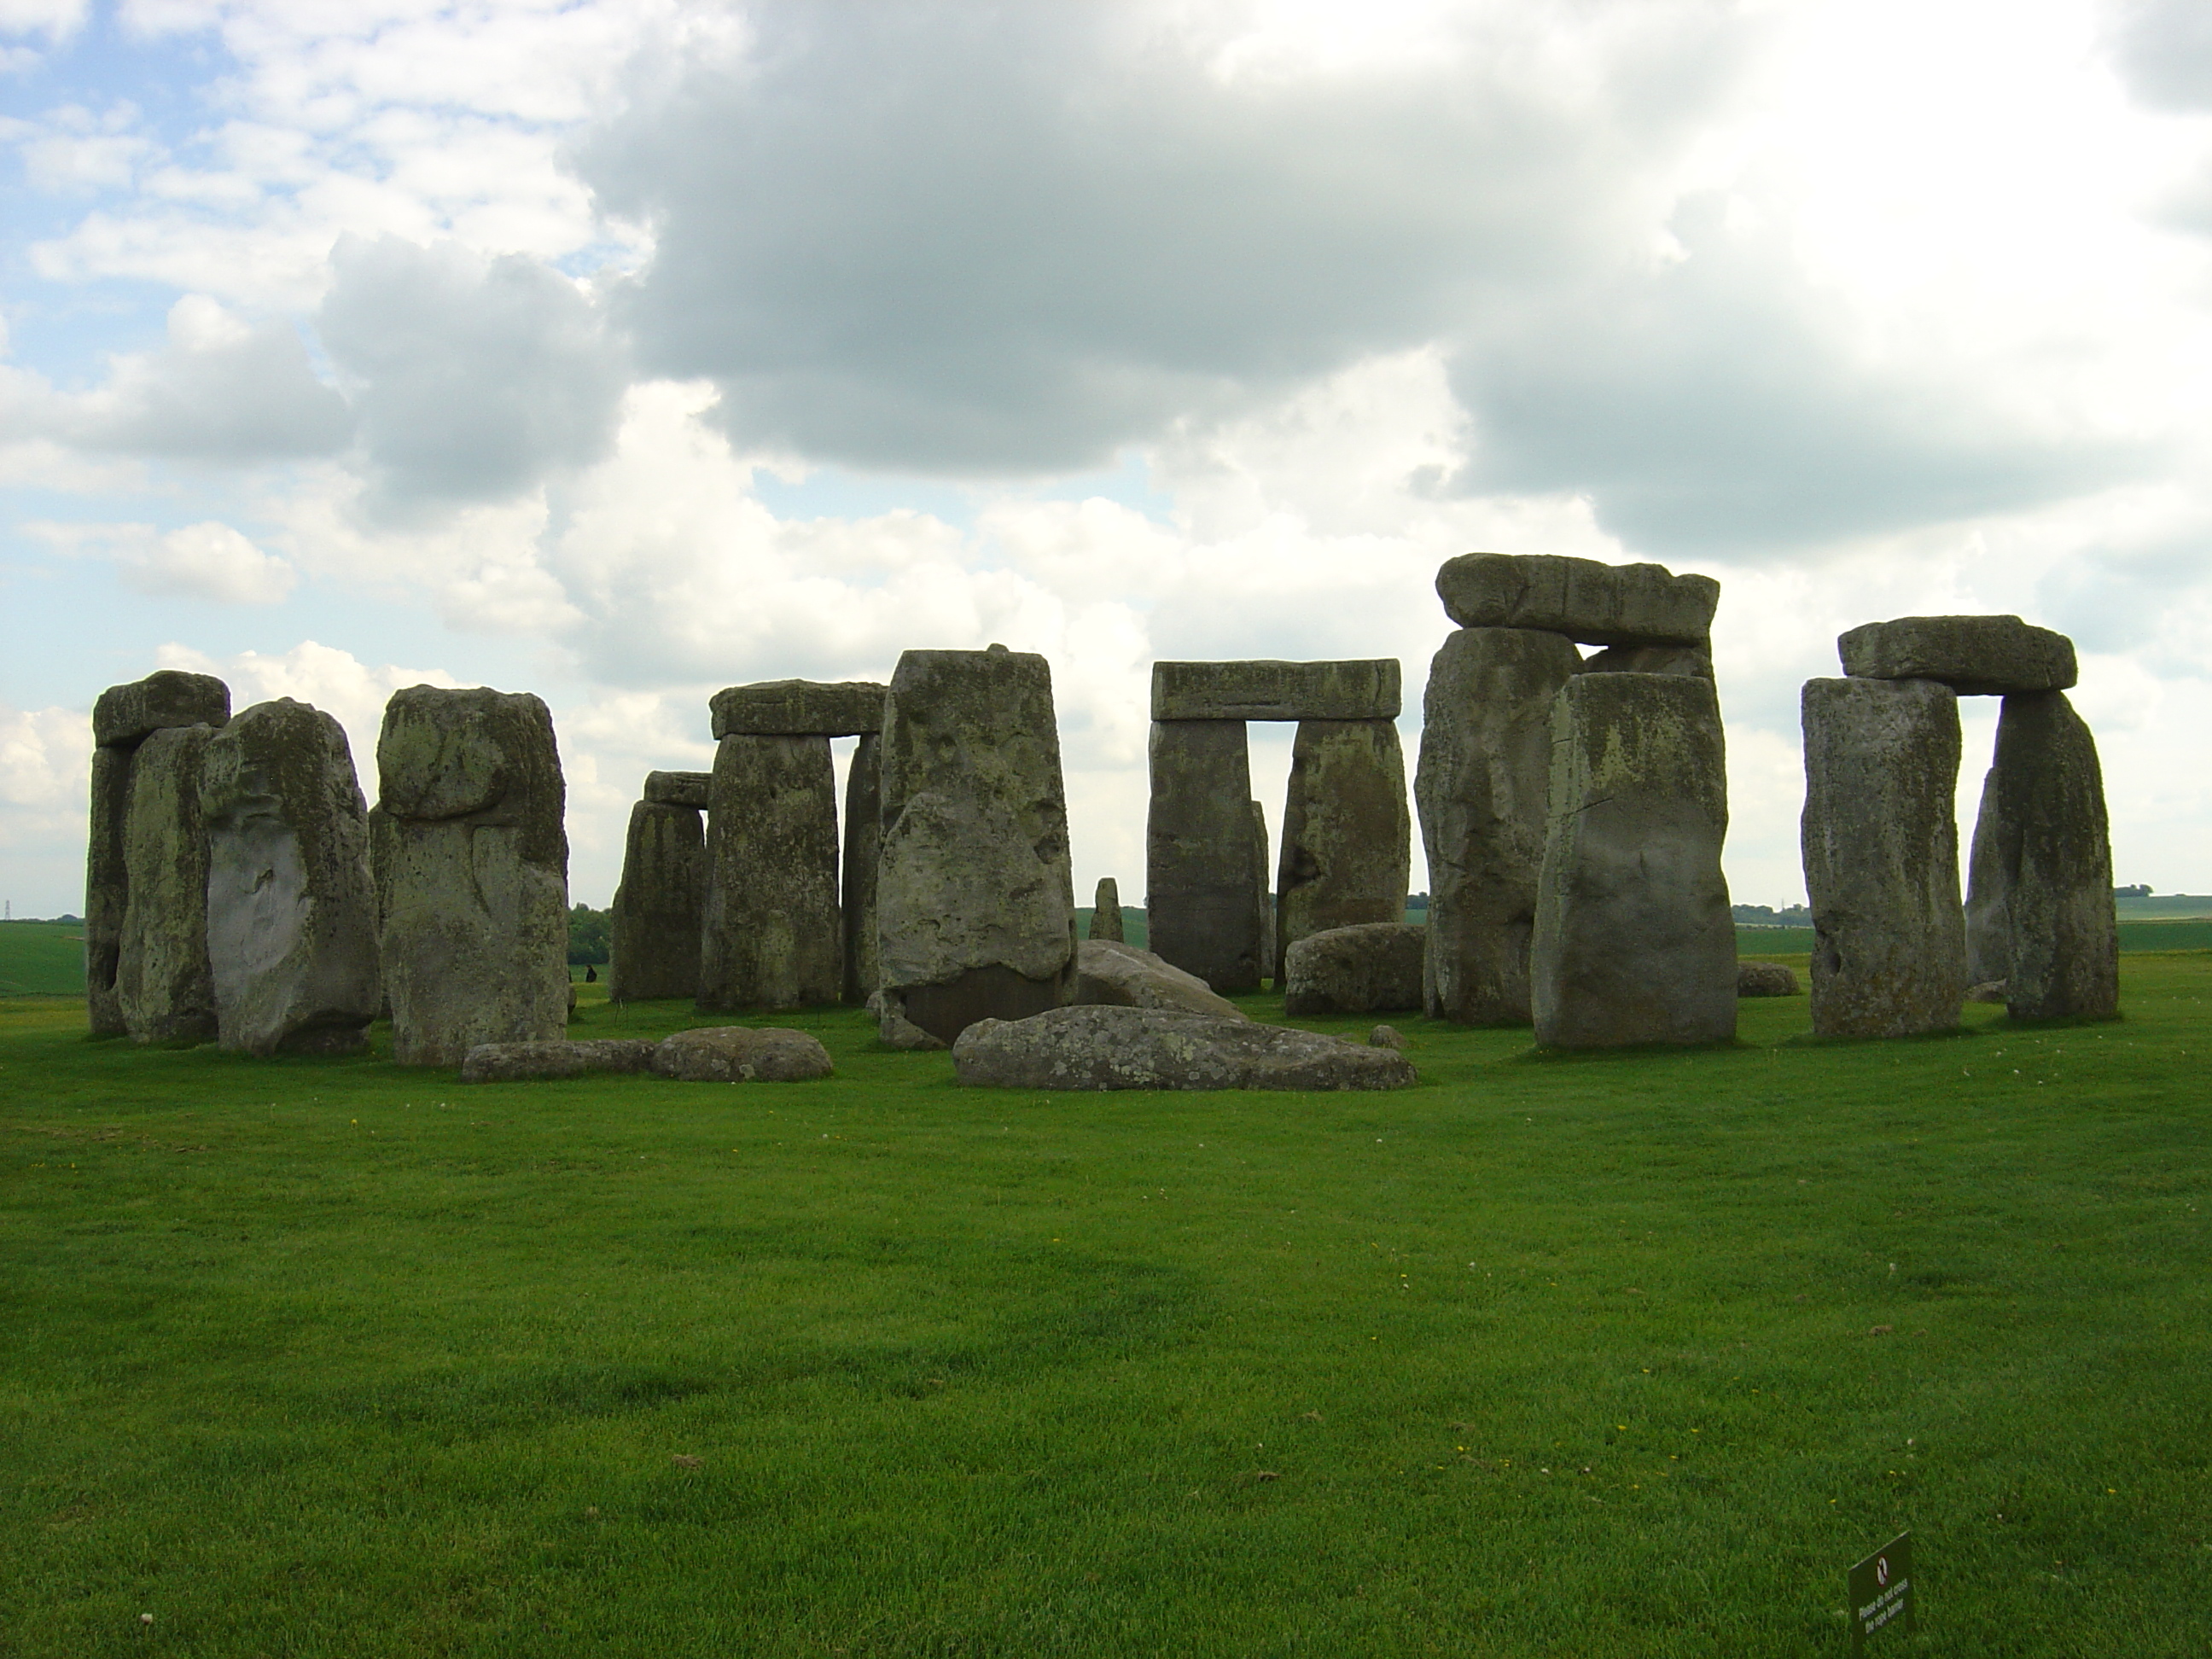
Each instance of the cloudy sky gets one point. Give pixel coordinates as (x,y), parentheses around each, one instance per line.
(624,349)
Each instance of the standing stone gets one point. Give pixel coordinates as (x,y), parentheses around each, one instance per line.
(382,838)
(863,846)
(164,985)
(679,789)
(475,925)
(291,904)
(167,700)
(1988,895)
(2043,863)
(654,932)
(1482,784)
(1262,898)
(976,906)
(1200,912)
(1634,942)
(773,937)
(1347,849)
(1106,912)
(1881,843)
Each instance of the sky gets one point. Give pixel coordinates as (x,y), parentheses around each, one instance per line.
(624,349)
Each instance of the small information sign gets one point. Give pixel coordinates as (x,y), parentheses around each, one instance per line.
(1881,1592)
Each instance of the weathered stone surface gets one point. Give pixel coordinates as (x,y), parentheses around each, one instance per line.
(799,708)
(126,715)
(1387,1036)
(773,937)
(1111,973)
(895,1030)
(1103,1048)
(516,1062)
(1988,990)
(863,846)
(1976,655)
(1347,836)
(1881,843)
(1596,603)
(974,901)
(653,935)
(107,890)
(1372,969)
(381,841)
(1633,942)
(1200,888)
(1357,691)
(164,986)
(1263,893)
(1485,768)
(1765,979)
(1106,911)
(1693,660)
(678,788)
(739,1053)
(2041,883)
(291,903)
(476,910)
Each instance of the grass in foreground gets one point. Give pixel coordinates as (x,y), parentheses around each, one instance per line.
(1626,1354)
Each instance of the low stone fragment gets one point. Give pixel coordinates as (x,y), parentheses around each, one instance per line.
(863,846)
(1355,691)
(741,1053)
(773,936)
(1765,979)
(165,984)
(514,1062)
(1106,911)
(1990,990)
(678,788)
(1387,1036)
(1201,888)
(1695,661)
(1111,1048)
(1112,973)
(1593,603)
(1347,845)
(1634,942)
(895,1030)
(1980,656)
(126,715)
(1372,969)
(653,931)
(799,708)
(291,901)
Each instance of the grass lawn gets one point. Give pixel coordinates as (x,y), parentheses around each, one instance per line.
(42,959)
(1604,1355)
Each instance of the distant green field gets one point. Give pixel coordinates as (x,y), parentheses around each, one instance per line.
(41,958)
(2163,905)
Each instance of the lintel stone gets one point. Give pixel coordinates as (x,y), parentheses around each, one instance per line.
(1977,656)
(1590,602)
(1362,689)
(126,715)
(799,708)
(678,788)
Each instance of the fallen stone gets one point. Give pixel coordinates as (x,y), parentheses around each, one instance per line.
(740,1054)
(1111,973)
(1201,909)
(1357,691)
(1372,969)
(653,931)
(1485,762)
(1106,911)
(863,846)
(772,935)
(1594,604)
(291,901)
(678,788)
(517,1062)
(1880,844)
(1982,656)
(1765,979)
(126,715)
(895,1030)
(1695,661)
(1347,848)
(1108,1047)
(1387,1036)
(799,708)
(1633,942)
(165,984)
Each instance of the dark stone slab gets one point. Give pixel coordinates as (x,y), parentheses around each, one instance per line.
(654,932)
(107,888)
(678,788)
(1373,968)
(1101,1047)
(1347,847)
(799,708)
(1594,603)
(1201,910)
(164,985)
(1974,655)
(1106,911)
(773,935)
(126,715)
(864,847)
(1258,690)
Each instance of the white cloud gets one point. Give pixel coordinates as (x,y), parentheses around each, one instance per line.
(55,19)
(206,560)
(334,681)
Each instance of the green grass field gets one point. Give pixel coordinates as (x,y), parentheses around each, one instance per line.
(41,958)
(1629,1354)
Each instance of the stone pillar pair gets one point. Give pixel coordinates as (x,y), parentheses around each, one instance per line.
(1894,952)
(1347,847)
(1573,808)
(653,931)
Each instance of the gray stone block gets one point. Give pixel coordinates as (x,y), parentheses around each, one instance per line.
(520,1062)
(1106,1047)
(1975,656)
(678,788)
(1355,691)
(799,708)
(1373,968)
(773,936)
(1201,909)
(1347,847)
(1880,845)
(1106,912)
(164,986)
(1595,603)
(863,846)
(1634,942)
(1765,979)
(740,1054)
(126,715)
(107,890)
(1695,661)
(654,932)
(1111,973)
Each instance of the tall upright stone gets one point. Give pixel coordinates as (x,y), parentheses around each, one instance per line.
(1633,941)
(165,985)
(1200,911)
(1106,911)
(291,904)
(653,931)
(1482,785)
(1989,891)
(1880,844)
(2043,862)
(773,937)
(975,905)
(382,838)
(863,846)
(475,923)
(1347,846)
(1263,896)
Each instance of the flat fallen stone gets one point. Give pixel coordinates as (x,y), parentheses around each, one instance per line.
(126,715)
(678,788)
(517,1062)
(799,708)
(1101,1047)
(742,1054)
(1373,968)
(1977,656)
(1362,689)
(1765,979)
(1110,973)
(1588,601)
